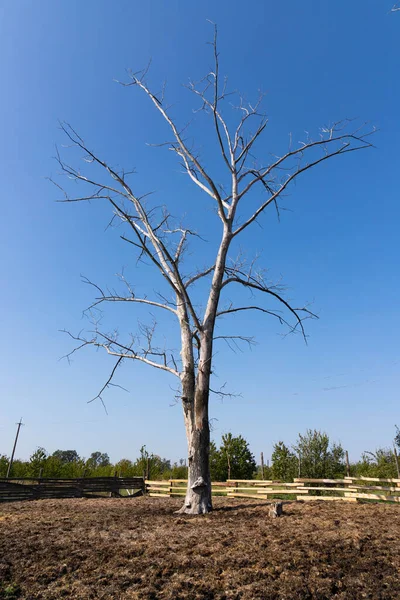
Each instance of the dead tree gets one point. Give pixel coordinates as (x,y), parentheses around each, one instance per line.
(162,241)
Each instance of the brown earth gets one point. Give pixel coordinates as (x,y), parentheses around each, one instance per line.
(138,548)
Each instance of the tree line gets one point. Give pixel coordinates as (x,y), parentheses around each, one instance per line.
(312,455)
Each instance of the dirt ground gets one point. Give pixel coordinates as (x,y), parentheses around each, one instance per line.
(138,548)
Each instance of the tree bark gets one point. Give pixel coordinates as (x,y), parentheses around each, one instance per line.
(195,407)
(198,494)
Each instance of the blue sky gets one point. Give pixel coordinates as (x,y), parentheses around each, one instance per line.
(337,247)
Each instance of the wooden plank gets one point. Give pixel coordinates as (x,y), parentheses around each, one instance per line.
(374,497)
(162,482)
(305,480)
(326,498)
(377,491)
(372,487)
(284,491)
(251,481)
(362,478)
(221,484)
(253,496)
(270,486)
(257,489)
(331,489)
(298,484)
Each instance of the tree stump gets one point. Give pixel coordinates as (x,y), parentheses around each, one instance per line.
(276,510)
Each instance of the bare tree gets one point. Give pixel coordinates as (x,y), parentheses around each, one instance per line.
(162,241)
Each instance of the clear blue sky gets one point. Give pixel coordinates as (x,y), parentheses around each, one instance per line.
(337,247)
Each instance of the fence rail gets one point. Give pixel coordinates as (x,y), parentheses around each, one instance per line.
(34,489)
(349,489)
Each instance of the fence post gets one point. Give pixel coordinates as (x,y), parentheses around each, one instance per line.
(262,465)
(347,464)
(396,458)
(229,465)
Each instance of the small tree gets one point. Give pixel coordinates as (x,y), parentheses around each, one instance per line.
(178,471)
(66,456)
(4,462)
(233,460)
(19,468)
(284,463)
(98,459)
(397,437)
(37,462)
(243,188)
(380,463)
(125,468)
(318,459)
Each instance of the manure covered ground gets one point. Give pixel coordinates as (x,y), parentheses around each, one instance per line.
(138,548)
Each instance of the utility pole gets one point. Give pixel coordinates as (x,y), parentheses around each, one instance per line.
(15,445)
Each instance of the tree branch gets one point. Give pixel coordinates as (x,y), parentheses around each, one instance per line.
(131,298)
(199,275)
(162,258)
(260,176)
(123,351)
(183,151)
(257,283)
(108,384)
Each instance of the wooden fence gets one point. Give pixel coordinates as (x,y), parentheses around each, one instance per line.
(34,489)
(349,489)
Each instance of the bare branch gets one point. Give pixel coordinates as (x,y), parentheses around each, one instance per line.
(199,275)
(132,298)
(257,283)
(108,384)
(182,150)
(273,313)
(212,80)
(140,225)
(232,341)
(224,394)
(122,351)
(344,141)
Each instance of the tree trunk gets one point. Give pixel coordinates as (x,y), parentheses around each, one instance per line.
(196,391)
(198,494)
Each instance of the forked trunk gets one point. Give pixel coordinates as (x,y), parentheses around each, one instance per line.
(196,392)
